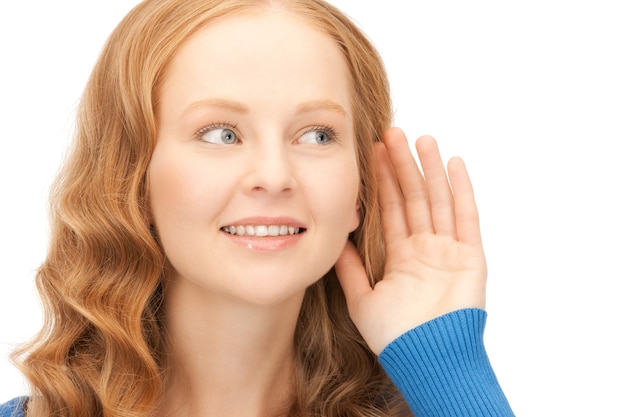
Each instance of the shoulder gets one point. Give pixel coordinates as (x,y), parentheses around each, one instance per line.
(13,408)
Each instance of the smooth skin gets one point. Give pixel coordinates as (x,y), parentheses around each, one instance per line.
(435,262)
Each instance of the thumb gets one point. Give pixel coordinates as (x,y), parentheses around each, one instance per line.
(352,276)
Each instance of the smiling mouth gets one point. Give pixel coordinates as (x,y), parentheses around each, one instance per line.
(262,230)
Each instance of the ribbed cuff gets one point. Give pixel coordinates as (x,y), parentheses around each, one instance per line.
(442,368)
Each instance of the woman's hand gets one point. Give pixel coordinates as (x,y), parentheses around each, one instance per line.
(434,258)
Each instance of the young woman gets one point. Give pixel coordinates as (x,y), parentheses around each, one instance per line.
(239,232)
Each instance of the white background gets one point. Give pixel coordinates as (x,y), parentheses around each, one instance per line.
(532,94)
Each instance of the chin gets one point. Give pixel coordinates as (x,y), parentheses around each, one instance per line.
(273,289)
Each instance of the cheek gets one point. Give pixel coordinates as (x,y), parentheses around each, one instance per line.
(337,194)
(169,187)
(177,190)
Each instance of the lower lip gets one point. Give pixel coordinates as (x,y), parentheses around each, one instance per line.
(266,243)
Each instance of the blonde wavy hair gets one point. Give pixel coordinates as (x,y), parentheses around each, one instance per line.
(101,350)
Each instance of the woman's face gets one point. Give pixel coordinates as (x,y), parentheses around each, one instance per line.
(254,179)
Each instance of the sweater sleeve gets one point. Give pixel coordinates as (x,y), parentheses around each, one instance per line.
(13,408)
(442,368)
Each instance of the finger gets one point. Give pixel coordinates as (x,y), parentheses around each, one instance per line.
(411,182)
(352,276)
(439,193)
(391,201)
(467,221)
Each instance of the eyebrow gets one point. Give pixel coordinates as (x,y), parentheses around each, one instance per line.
(237,107)
(217,102)
(321,105)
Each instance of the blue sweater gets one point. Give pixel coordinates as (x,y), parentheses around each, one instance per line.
(441,368)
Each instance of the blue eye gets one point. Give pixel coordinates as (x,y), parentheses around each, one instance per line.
(218,135)
(319,136)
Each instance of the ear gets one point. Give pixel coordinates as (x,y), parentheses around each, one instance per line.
(356,218)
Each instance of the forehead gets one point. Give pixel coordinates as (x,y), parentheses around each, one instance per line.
(256,55)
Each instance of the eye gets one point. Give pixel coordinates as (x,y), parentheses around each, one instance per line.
(321,135)
(218,135)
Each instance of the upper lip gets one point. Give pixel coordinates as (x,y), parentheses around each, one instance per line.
(267,221)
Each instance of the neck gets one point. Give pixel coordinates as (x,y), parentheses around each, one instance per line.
(228,357)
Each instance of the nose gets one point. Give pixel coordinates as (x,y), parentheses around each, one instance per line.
(271,170)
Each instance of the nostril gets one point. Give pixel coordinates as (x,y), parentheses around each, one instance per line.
(263,189)
(270,170)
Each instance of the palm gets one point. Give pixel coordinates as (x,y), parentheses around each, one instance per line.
(435,263)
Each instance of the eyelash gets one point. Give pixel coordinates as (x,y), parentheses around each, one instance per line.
(329,130)
(216,125)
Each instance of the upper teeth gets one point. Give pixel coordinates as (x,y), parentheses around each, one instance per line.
(263,230)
